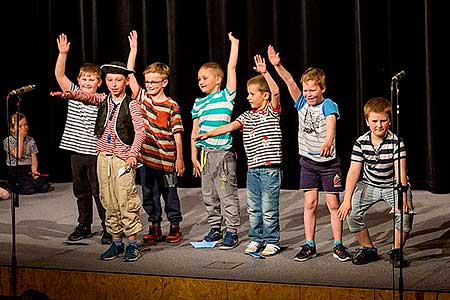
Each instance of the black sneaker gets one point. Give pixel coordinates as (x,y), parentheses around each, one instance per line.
(306,252)
(112,252)
(106,238)
(396,259)
(341,253)
(132,253)
(230,241)
(365,255)
(80,232)
(214,235)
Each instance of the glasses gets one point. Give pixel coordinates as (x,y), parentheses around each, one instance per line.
(153,83)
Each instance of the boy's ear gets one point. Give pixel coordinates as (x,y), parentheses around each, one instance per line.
(324,89)
(266,96)
(218,79)
(165,82)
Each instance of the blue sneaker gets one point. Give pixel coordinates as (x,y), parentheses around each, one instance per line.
(132,253)
(230,241)
(214,235)
(112,252)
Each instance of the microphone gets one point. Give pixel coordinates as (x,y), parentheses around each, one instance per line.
(399,76)
(22,90)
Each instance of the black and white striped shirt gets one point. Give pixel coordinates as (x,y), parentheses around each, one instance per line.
(378,164)
(78,135)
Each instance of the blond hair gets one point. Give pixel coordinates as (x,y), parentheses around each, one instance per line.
(215,68)
(91,69)
(260,82)
(378,105)
(158,67)
(315,74)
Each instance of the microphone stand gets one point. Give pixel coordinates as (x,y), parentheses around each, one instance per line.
(395,92)
(14,200)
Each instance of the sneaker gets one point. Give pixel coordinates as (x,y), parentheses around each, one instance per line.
(230,241)
(175,234)
(214,235)
(254,247)
(271,249)
(154,234)
(132,253)
(106,238)
(306,252)
(341,253)
(112,252)
(396,259)
(365,255)
(80,232)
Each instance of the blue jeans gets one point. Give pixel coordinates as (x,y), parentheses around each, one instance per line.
(263,194)
(157,183)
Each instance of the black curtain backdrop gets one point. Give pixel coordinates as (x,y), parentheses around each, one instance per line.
(359,44)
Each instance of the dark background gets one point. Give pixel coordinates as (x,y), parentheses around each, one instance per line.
(359,44)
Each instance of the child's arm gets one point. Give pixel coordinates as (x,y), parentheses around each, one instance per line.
(232,62)
(3,194)
(325,149)
(220,130)
(260,66)
(139,134)
(350,184)
(292,86)
(403,180)
(196,167)
(79,95)
(179,163)
(34,166)
(60,67)
(134,85)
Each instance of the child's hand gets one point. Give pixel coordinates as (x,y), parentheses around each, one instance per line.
(344,210)
(179,167)
(274,57)
(232,38)
(63,44)
(203,136)
(260,64)
(62,95)
(196,168)
(325,150)
(133,39)
(130,163)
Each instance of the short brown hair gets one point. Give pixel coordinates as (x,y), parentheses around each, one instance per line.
(214,67)
(378,105)
(260,82)
(158,67)
(89,68)
(13,120)
(314,74)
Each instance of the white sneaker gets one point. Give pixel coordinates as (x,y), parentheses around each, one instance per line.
(271,249)
(252,247)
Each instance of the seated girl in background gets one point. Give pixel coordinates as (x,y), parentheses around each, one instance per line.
(25,179)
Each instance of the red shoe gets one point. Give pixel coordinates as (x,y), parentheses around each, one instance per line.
(154,234)
(175,234)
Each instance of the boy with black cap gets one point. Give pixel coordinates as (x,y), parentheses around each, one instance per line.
(120,132)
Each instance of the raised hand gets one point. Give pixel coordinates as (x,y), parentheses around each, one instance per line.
(260,64)
(232,38)
(273,56)
(63,44)
(133,39)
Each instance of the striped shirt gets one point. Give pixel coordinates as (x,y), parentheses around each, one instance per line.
(114,145)
(262,137)
(312,128)
(213,111)
(161,121)
(378,164)
(78,135)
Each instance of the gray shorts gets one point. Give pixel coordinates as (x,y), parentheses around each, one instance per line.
(324,176)
(365,196)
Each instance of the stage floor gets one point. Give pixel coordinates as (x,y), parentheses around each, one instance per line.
(44,221)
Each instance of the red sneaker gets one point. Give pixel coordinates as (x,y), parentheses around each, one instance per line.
(154,234)
(175,234)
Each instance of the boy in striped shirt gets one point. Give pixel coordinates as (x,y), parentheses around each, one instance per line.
(217,165)
(262,143)
(376,155)
(162,151)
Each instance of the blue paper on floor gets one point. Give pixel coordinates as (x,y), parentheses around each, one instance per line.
(203,244)
(256,255)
